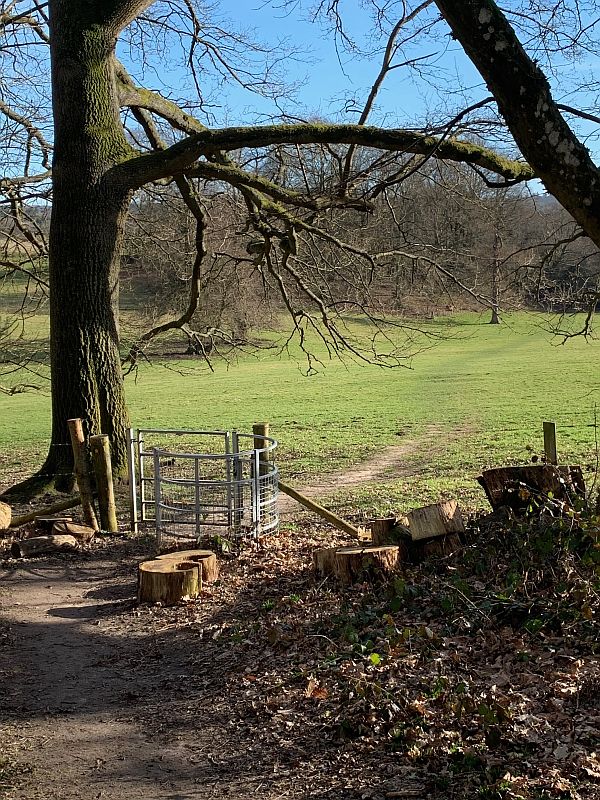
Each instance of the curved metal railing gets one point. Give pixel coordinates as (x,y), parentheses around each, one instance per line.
(186,494)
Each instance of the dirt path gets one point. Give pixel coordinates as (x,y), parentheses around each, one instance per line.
(100,698)
(66,690)
(93,702)
(390,463)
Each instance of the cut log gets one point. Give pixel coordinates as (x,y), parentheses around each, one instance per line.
(429,522)
(41,545)
(349,564)
(5,515)
(83,533)
(206,559)
(168,581)
(520,487)
(388,531)
(45,524)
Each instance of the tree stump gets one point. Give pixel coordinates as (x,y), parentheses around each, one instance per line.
(41,545)
(206,559)
(520,487)
(168,581)
(349,564)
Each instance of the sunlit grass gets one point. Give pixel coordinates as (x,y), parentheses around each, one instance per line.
(473,399)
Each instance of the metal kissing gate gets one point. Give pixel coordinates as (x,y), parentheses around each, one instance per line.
(190,483)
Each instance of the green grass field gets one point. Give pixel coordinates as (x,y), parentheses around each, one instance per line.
(473,399)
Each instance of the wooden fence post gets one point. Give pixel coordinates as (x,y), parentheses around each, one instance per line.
(82,472)
(550,443)
(263,493)
(260,430)
(100,447)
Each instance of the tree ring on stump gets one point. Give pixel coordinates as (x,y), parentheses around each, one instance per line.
(206,559)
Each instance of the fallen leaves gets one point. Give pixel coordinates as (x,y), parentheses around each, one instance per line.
(434,685)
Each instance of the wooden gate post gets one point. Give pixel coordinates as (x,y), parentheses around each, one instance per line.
(260,430)
(82,472)
(100,447)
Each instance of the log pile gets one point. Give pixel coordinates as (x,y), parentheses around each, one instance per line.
(52,535)
(432,530)
(429,531)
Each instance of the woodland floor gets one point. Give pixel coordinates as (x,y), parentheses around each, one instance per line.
(472,676)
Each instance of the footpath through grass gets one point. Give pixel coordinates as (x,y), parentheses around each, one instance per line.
(474,399)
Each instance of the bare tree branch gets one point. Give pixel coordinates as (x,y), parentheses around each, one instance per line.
(180,156)
(239,177)
(386,66)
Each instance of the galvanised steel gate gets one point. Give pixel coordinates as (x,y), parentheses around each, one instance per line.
(185,483)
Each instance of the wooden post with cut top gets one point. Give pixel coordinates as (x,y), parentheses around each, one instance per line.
(550,443)
(100,447)
(260,431)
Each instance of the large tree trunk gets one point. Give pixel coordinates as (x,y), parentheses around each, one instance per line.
(88,215)
(522,92)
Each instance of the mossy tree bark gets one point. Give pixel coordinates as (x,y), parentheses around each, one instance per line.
(88,215)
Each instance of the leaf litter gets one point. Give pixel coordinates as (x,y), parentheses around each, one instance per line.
(475,675)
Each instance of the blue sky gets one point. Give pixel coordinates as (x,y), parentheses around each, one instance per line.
(328,77)
(334,84)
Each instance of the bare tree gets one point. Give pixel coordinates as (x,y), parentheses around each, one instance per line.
(111,138)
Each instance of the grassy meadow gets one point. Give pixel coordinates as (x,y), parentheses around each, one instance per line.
(472,398)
